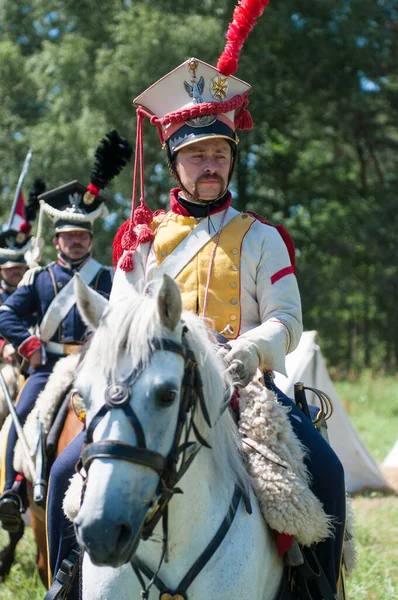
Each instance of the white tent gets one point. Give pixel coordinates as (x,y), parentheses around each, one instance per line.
(307,364)
(391,459)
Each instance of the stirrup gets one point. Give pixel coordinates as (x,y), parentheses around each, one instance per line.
(11,508)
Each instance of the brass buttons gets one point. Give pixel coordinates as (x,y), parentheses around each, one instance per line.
(234,268)
(233,284)
(234,301)
(235,251)
(163,253)
(232,317)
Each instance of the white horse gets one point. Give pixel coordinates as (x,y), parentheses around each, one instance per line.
(135,382)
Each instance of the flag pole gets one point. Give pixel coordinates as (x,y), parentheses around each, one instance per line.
(19,187)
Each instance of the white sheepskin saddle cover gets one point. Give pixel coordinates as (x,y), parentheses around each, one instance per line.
(47,403)
(275,462)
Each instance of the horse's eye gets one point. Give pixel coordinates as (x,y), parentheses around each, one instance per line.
(166,397)
(77,404)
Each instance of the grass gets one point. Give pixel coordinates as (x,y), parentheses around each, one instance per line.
(372,404)
(23,582)
(376,575)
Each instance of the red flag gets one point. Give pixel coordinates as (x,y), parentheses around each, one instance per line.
(19,215)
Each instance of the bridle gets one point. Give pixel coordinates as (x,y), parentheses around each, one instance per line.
(172,467)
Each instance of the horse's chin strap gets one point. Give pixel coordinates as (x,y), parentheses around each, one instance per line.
(140,568)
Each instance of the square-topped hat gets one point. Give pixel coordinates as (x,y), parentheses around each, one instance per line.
(195,101)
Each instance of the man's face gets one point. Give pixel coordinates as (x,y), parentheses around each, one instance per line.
(203,168)
(73,244)
(13,275)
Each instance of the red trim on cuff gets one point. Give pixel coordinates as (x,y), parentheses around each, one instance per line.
(2,344)
(282,273)
(29,346)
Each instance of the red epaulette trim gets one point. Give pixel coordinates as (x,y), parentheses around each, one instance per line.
(281,273)
(285,235)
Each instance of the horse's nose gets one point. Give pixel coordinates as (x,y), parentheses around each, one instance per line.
(107,544)
(124,533)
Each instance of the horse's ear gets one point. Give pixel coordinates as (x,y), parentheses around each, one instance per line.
(169,303)
(90,303)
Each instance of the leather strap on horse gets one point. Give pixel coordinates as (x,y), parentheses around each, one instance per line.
(311,581)
(65,576)
(140,567)
(123,451)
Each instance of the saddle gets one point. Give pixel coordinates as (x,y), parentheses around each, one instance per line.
(45,422)
(281,483)
(275,461)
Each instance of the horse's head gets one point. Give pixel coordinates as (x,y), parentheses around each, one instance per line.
(145,381)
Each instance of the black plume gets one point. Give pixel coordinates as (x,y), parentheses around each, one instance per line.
(39,186)
(111,156)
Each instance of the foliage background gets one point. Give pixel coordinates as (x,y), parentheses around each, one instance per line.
(322,158)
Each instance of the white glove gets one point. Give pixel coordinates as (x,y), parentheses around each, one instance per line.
(242,360)
(271,342)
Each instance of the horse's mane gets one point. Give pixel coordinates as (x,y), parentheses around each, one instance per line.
(127,326)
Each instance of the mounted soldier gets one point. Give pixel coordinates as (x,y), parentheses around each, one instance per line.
(48,293)
(235,269)
(15,246)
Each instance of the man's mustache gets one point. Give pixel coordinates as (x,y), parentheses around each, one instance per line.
(207,176)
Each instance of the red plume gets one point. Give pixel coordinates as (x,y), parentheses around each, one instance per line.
(243,20)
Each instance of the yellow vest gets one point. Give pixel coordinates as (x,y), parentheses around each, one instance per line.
(223,296)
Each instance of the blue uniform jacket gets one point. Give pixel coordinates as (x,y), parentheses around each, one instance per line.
(29,321)
(4,295)
(33,297)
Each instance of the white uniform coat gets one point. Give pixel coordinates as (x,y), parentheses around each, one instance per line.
(270,300)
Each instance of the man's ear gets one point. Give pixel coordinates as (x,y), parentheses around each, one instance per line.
(55,242)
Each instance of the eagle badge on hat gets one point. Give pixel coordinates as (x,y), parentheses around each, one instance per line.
(195,88)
